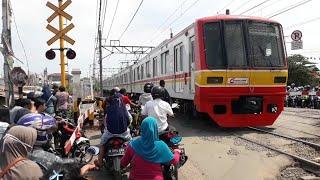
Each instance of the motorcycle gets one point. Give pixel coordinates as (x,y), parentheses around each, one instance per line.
(79,147)
(136,121)
(316,102)
(173,140)
(115,151)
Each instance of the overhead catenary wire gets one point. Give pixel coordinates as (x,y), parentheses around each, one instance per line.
(239,7)
(303,23)
(134,15)
(254,7)
(264,7)
(114,14)
(167,19)
(286,9)
(224,7)
(177,18)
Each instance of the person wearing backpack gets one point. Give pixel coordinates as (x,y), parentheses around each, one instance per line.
(117,120)
(50,100)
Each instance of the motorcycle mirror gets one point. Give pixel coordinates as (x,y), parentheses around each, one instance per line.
(94,150)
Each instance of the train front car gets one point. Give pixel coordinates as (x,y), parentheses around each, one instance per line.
(241,70)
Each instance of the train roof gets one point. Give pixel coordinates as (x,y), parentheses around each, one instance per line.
(233,17)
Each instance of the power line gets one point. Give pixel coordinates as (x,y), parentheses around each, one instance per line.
(303,23)
(226,6)
(105,5)
(22,45)
(131,20)
(239,7)
(189,7)
(289,8)
(167,19)
(254,7)
(277,1)
(114,14)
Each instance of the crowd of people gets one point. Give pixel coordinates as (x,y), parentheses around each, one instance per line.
(145,154)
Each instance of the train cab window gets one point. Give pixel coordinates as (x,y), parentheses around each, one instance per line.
(265,44)
(235,45)
(213,46)
(155,66)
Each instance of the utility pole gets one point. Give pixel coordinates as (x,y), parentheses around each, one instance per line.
(62,62)
(100,60)
(7,51)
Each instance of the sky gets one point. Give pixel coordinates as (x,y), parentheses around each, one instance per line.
(151,26)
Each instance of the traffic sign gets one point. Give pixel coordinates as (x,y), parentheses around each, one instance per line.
(296,35)
(18,76)
(60,34)
(59,11)
(295,45)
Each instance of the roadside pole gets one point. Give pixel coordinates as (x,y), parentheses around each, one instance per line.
(62,62)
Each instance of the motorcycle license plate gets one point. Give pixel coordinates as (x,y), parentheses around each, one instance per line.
(115,152)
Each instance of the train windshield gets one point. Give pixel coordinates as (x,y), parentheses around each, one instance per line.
(256,44)
(265,45)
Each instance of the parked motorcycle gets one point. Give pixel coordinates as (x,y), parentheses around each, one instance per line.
(173,140)
(115,151)
(80,146)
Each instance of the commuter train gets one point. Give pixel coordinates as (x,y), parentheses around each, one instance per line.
(233,68)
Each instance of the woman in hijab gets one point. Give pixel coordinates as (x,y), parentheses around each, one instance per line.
(15,146)
(147,153)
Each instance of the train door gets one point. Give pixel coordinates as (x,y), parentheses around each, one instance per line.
(191,64)
(178,68)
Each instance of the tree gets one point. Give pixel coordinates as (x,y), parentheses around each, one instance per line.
(300,71)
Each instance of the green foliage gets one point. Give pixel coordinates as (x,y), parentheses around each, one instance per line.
(300,70)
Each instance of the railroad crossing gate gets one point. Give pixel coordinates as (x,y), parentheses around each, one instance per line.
(59,33)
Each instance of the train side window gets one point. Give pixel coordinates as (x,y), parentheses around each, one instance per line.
(148,69)
(155,67)
(213,46)
(178,57)
(142,72)
(134,75)
(235,45)
(162,63)
(138,72)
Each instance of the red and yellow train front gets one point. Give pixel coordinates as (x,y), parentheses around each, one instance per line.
(241,70)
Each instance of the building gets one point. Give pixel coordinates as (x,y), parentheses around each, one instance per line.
(55,78)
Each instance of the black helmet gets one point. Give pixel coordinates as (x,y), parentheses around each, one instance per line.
(123,91)
(147,87)
(157,92)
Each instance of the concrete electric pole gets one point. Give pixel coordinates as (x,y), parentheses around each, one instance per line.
(7,51)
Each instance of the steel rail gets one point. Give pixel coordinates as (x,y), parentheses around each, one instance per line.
(314,145)
(309,165)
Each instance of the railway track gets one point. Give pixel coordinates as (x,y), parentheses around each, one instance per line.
(307,164)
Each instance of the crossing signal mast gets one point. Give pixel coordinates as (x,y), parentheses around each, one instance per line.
(61,35)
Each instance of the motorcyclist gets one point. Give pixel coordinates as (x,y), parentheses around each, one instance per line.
(116,122)
(146,96)
(316,89)
(126,99)
(43,123)
(158,109)
(306,90)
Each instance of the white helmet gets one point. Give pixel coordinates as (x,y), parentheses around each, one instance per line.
(117,89)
